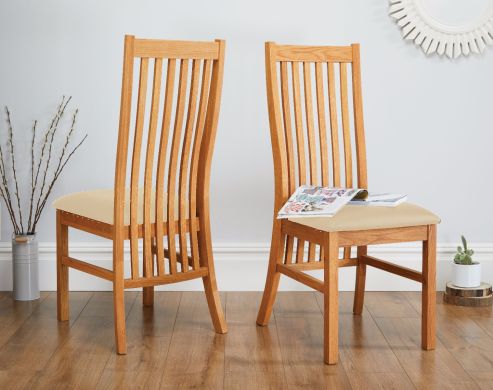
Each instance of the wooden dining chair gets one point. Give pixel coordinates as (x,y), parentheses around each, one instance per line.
(309,94)
(160,198)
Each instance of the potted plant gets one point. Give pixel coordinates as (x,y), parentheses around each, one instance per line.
(467,272)
(46,165)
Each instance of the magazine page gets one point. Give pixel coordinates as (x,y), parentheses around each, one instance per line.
(384,199)
(316,201)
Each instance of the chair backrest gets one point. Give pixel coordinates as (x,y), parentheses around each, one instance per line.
(165,143)
(308,91)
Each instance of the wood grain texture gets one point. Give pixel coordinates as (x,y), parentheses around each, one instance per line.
(171,344)
(252,356)
(184,146)
(305,167)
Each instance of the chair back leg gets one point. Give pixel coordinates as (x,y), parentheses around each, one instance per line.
(210,284)
(273,276)
(359,288)
(428,294)
(61,269)
(119,298)
(148,296)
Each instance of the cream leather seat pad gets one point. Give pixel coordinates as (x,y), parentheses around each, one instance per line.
(98,205)
(352,217)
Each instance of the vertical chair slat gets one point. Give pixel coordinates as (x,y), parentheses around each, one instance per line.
(163,145)
(333,125)
(184,164)
(312,153)
(300,250)
(151,140)
(348,168)
(300,139)
(175,144)
(288,131)
(322,130)
(324,162)
(312,147)
(134,180)
(345,126)
(358,118)
(199,131)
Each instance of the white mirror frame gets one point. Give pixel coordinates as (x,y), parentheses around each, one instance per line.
(439,38)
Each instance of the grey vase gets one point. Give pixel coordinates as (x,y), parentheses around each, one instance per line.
(25,272)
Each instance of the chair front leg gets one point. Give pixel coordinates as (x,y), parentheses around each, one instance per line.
(331,298)
(428,294)
(61,269)
(273,276)
(359,288)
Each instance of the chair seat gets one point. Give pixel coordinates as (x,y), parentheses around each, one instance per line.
(353,217)
(98,205)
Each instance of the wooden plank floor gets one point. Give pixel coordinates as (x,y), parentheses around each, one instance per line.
(173,345)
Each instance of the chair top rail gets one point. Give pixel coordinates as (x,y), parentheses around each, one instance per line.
(155,48)
(312,53)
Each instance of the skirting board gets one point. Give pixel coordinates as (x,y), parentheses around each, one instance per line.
(243,266)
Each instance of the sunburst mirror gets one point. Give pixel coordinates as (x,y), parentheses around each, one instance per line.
(446,27)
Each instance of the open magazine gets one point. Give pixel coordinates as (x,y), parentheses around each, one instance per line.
(316,201)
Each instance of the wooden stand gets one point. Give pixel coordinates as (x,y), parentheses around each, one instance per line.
(475,296)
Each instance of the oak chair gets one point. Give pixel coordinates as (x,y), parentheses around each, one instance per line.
(160,198)
(305,86)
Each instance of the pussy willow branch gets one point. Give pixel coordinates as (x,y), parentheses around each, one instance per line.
(4,192)
(33,138)
(47,166)
(12,157)
(40,184)
(41,157)
(55,178)
(45,141)
(43,196)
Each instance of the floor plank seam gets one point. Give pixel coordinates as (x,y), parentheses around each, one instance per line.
(439,339)
(170,340)
(388,342)
(113,349)
(41,300)
(280,348)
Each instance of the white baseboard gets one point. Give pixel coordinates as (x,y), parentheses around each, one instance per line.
(243,266)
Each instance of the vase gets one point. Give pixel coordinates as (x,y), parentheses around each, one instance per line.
(25,272)
(467,275)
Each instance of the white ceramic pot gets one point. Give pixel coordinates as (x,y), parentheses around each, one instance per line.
(467,275)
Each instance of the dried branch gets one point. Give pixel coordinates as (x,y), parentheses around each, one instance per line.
(45,141)
(33,188)
(41,184)
(6,194)
(12,157)
(55,178)
(47,166)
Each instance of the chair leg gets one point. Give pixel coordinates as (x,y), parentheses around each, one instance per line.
(331,299)
(359,288)
(119,298)
(428,295)
(210,285)
(273,276)
(61,269)
(214,303)
(148,296)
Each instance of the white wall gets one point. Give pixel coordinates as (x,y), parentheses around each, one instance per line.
(428,120)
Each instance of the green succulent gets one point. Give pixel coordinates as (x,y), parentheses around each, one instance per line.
(463,255)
